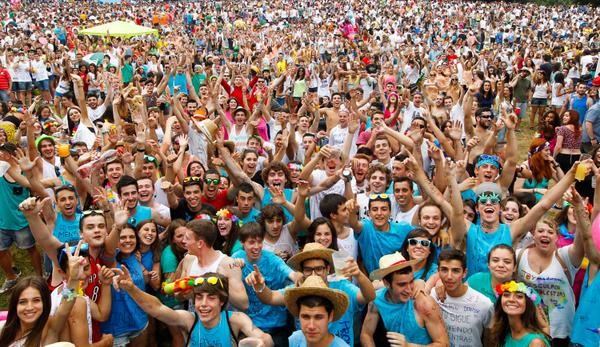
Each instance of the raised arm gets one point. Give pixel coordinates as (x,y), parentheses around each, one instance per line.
(512,155)
(522,225)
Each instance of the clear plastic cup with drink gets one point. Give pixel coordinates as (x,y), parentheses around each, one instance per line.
(339,262)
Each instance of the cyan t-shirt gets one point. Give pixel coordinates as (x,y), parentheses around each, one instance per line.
(276,274)
(479,244)
(252,216)
(482,282)
(297,339)
(374,244)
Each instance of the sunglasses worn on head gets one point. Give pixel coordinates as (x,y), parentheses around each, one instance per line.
(423,243)
(210,280)
(92,212)
(378,196)
(83,251)
(191,179)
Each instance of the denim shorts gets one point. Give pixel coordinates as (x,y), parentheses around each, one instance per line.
(539,102)
(43,85)
(125,339)
(22,86)
(22,238)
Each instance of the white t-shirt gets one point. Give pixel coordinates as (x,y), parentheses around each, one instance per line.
(466,317)
(40,73)
(284,243)
(553,286)
(319,176)
(409,114)
(349,244)
(96,113)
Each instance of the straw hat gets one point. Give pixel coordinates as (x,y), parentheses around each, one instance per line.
(208,128)
(391,263)
(314,285)
(311,250)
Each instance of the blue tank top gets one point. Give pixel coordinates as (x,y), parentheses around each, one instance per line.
(525,340)
(580,105)
(479,243)
(218,336)
(587,316)
(67,230)
(126,316)
(400,318)
(141,213)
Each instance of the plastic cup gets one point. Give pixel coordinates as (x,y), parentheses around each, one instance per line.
(64,149)
(581,171)
(339,262)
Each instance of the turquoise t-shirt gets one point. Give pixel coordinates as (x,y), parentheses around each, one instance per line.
(268,199)
(525,340)
(432,270)
(482,282)
(67,230)
(276,274)
(587,316)
(479,244)
(297,339)
(252,216)
(12,195)
(374,244)
(168,264)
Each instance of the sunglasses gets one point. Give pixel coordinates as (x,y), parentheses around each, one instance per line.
(486,116)
(150,159)
(191,179)
(423,243)
(378,196)
(92,212)
(485,198)
(213,181)
(213,280)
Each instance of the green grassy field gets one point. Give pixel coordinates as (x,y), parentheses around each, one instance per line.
(24,264)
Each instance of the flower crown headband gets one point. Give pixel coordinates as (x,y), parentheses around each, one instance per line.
(519,287)
(225,213)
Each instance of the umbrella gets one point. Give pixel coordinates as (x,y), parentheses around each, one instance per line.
(120,29)
(96,58)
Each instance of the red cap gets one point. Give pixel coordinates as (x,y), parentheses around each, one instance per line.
(596,82)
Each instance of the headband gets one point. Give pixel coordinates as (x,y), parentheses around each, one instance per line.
(488,159)
(519,287)
(539,148)
(225,213)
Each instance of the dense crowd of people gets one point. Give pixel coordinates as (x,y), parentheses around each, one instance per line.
(300,173)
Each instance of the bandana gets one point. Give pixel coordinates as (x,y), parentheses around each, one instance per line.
(488,159)
(519,287)
(538,149)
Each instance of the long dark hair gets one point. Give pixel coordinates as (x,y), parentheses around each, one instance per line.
(312,229)
(120,255)
(155,246)
(420,232)
(225,243)
(175,224)
(13,323)
(500,327)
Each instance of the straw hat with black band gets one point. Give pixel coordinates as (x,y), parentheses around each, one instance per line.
(315,286)
(391,263)
(311,250)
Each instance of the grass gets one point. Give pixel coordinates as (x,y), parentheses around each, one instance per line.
(21,257)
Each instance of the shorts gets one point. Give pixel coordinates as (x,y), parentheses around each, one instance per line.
(124,340)
(539,102)
(22,86)
(43,85)
(22,238)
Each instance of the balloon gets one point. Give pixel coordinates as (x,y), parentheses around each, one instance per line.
(596,232)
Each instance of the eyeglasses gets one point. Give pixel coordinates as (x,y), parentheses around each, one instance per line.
(92,212)
(191,179)
(378,196)
(423,243)
(319,270)
(488,197)
(213,181)
(213,280)
(486,116)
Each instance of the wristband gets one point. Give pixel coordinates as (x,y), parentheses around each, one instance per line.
(141,150)
(261,289)
(68,294)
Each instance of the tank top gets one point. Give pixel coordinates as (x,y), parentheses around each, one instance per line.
(540,91)
(56,298)
(218,336)
(349,244)
(557,100)
(525,340)
(400,318)
(587,316)
(479,243)
(239,138)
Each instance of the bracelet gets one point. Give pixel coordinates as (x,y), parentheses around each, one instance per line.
(68,294)
(141,150)
(261,290)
